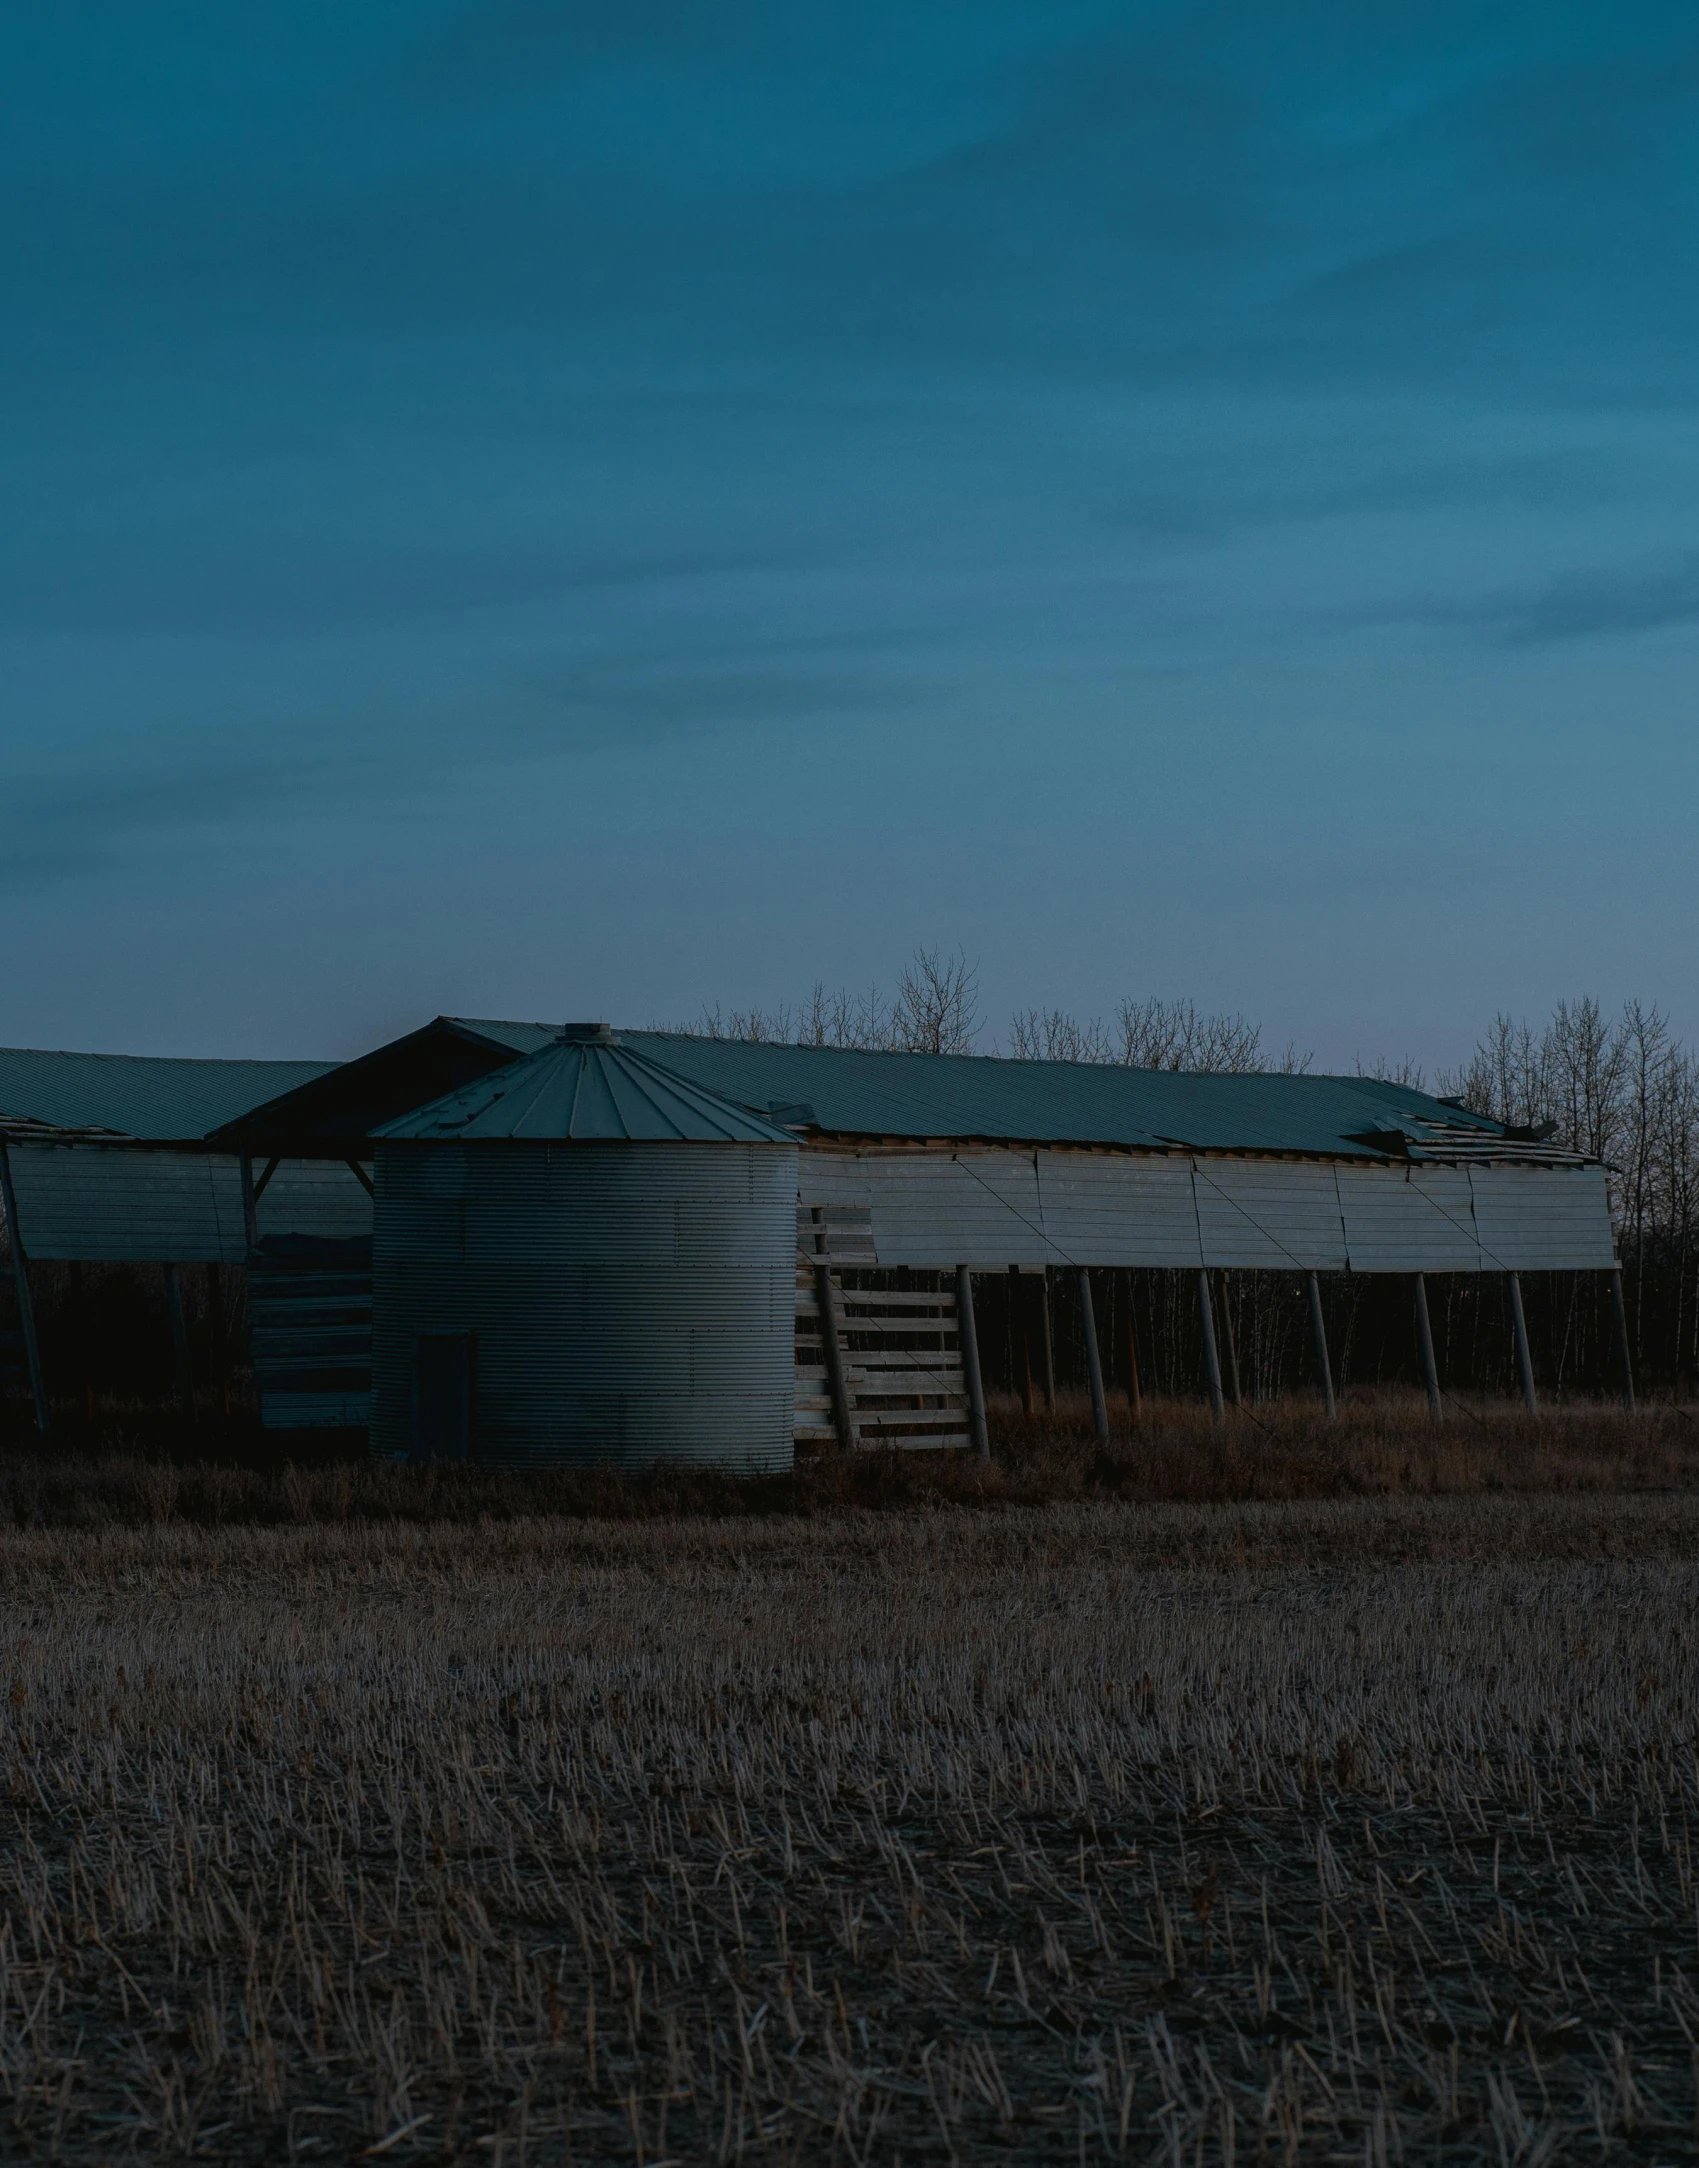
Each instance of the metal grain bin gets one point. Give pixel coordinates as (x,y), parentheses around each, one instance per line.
(584,1257)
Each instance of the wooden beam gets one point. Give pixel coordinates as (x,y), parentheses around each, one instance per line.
(361,1176)
(21,1287)
(179,1340)
(1619,1314)
(1018,1311)
(968,1335)
(250,1202)
(1211,1360)
(1135,1396)
(1524,1354)
(1093,1361)
(1229,1341)
(831,1339)
(1425,1341)
(1048,1342)
(1318,1335)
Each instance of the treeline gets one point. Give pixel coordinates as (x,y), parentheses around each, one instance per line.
(1621,1088)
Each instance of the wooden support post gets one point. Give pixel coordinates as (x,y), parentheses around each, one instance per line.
(1524,1355)
(1425,1341)
(76,1319)
(831,1339)
(1619,1314)
(250,1203)
(1018,1310)
(1211,1360)
(1228,1340)
(1318,1334)
(179,1340)
(1093,1360)
(832,1346)
(1135,1397)
(21,1287)
(968,1334)
(1047,1340)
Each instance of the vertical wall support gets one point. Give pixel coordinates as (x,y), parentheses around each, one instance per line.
(1211,1360)
(250,1203)
(1018,1317)
(179,1339)
(1425,1341)
(968,1335)
(1048,1343)
(1135,1398)
(1318,1333)
(1524,1356)
(20,1283)
(1093,1360)
(1619,1313)
(1229,1340)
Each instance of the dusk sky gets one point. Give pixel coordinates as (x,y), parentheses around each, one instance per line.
(547,510)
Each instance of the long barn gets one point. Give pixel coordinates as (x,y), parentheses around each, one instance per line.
(933,1168)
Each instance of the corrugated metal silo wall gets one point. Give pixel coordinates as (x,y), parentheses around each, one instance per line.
(630,1302)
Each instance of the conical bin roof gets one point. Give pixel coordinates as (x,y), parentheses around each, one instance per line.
(585,1087)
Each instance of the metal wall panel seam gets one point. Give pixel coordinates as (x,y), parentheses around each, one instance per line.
(1344,1230)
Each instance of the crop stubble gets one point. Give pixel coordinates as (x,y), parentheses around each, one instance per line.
(1354,1831)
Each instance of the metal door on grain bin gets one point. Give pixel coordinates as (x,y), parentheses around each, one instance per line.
(443,1396)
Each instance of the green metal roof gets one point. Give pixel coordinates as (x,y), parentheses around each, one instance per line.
(585,1085)
(139,1095)
(849,1093)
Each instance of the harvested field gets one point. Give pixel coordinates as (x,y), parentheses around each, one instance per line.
(1353,1830)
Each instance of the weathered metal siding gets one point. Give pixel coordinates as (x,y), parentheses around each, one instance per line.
(992,1208)
(1267,1215)
(124,1204)
(1096,1205)
(127,1204)
(629,1302)
(1542,1219)
(1408,1220)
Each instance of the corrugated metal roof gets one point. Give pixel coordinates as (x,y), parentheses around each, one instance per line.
(846,1092)
(139,1095)
(584,1089)
(1053,1102)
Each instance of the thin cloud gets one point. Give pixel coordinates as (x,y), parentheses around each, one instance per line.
(1592,605)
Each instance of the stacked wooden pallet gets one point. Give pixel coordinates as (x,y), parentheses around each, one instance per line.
(899,1344)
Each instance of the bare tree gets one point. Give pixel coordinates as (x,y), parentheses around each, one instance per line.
(1158,1034)
(1408,1071)
(1052,1035)
(937,1006)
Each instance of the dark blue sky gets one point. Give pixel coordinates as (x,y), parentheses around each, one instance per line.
(537,510)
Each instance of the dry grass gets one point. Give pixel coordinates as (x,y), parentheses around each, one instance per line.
(1382,1445)
(1357,1830)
